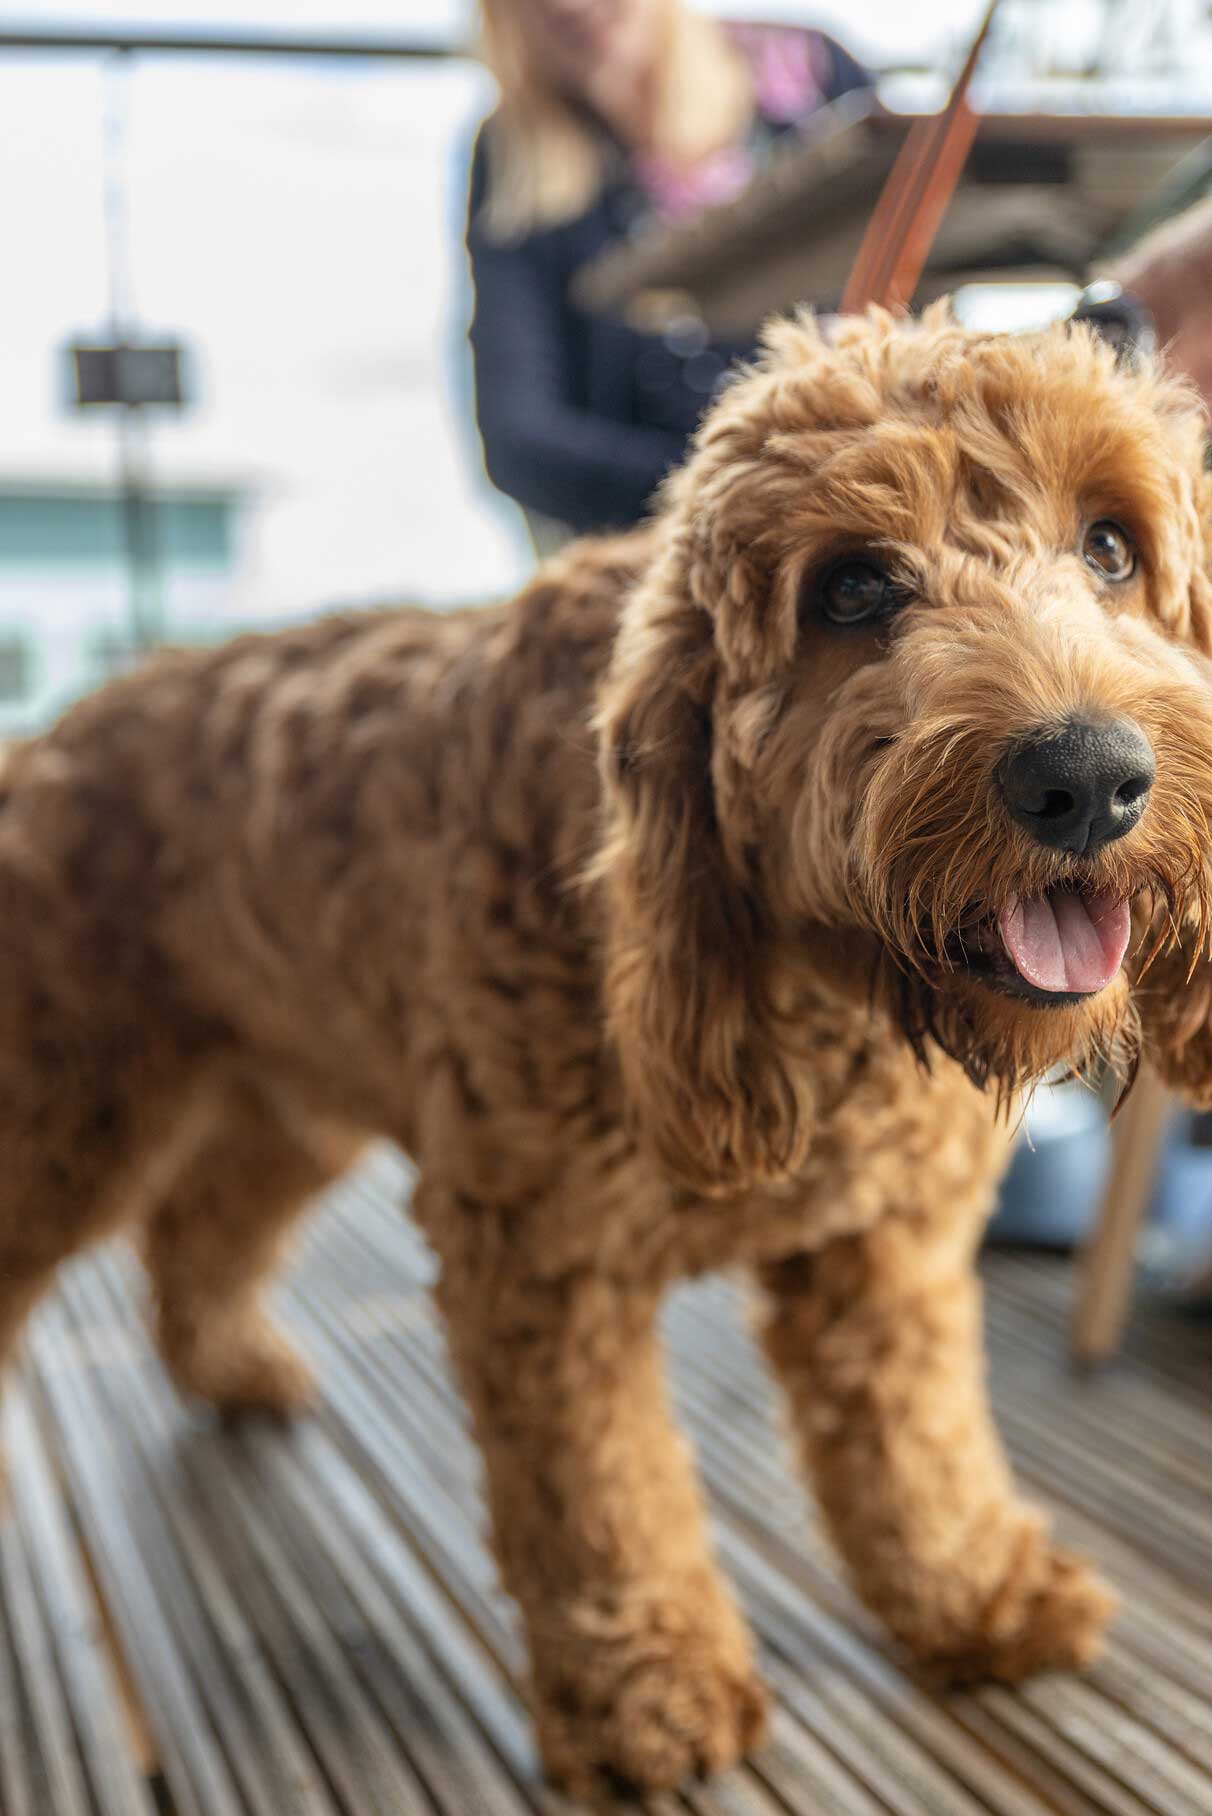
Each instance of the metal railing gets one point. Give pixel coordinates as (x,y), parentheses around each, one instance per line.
(221,43)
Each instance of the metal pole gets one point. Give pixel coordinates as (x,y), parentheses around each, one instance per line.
(138,506)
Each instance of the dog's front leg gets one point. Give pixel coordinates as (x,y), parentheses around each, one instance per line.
(878,1342)
(642,1667)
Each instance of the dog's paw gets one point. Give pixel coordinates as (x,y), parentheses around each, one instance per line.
(646,1719)
(1049,1616)
(255,1370)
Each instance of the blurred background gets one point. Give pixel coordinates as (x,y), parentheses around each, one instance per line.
(294,225)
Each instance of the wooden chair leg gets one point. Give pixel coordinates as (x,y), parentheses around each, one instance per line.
(1110,1249)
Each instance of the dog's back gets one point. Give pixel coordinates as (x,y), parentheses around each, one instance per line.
(262,844)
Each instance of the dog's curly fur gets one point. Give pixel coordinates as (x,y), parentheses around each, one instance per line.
(640,912)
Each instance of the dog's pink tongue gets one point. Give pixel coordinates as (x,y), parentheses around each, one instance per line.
(1066,941)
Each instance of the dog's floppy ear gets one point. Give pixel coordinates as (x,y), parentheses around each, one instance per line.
(689,991)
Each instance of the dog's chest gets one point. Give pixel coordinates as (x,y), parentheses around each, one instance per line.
(890,1140)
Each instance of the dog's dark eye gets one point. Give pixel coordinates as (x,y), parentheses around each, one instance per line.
(855,591)
(1109,550)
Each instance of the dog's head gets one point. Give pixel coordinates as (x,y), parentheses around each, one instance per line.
(914,696)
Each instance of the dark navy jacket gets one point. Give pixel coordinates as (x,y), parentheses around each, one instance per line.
(581,416)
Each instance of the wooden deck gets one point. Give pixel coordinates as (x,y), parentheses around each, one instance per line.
(215,1623)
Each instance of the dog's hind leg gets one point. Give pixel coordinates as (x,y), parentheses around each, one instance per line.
(877,1338)
(85,1131)
(213,1240)
(641,1666)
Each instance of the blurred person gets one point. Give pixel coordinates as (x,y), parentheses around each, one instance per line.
(612,113)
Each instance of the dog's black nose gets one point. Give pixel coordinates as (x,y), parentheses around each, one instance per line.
(1080,786)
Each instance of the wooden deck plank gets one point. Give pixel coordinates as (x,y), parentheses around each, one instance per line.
(17,1789)
(1105,1735)
(312,1626)
(323,1708)
(52,1774)
(161,1620)
(102,1736)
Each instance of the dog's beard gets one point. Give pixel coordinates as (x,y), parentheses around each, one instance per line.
(955,983)
(1005,1040)
(993,947)
(1006,1045)
(961,902)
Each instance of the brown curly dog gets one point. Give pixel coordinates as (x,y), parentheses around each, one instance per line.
(700,906)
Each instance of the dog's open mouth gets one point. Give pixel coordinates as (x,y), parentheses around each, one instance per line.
(1054,948)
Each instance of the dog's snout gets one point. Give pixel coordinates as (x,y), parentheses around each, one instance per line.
(1081,785)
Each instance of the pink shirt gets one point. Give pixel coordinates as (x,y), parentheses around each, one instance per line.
(787,87)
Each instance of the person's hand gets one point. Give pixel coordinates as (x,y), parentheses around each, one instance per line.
(1170,270)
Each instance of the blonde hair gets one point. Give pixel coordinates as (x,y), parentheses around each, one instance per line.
(546,156)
